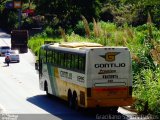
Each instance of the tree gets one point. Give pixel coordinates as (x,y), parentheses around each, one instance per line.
(142,7)
(66,13)
(130,11)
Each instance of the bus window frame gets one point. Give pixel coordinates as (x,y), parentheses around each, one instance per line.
(58,56)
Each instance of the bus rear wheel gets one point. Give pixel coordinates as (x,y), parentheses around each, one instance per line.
(75,101)
(46,89)
(113,109)
(70,104)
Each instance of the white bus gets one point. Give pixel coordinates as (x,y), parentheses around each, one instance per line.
(86,74)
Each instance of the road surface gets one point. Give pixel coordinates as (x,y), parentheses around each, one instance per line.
(21,99)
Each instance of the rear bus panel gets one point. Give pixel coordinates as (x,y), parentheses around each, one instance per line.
(109,78)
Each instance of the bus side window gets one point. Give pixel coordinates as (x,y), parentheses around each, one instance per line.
(76,62)
(62,59)
(46,56)
(73,61)
(56,58)
(43,55)
(81,63)
(49,56)
(67,61)
(52,57)
(84,63)
(59,59)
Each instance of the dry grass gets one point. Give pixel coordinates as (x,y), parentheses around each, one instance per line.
(149,19)
(95,28)
(129,33)
(62,31)
(155,54)
(150,32)
(86,26)
(135,58)
(124,41)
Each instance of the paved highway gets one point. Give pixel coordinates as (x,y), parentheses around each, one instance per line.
(21,99)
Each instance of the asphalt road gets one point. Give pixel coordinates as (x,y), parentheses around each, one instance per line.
(21,99)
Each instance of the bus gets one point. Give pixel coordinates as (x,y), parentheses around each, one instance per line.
(86,75)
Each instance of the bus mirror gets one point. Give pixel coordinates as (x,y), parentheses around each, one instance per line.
(37,65)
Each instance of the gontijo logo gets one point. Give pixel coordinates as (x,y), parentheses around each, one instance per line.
(110,56)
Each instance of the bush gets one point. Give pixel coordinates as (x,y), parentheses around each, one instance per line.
(49,31)
(79,28)
(147,89)
(109,27)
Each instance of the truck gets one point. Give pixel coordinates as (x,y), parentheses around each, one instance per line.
(19,40)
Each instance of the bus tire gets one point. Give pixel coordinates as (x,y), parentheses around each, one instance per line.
(75,101)
(69,99)
(46,89)
(113,109)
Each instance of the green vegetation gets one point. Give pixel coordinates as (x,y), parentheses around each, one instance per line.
(120,23)
(143,42)
(36,41)
(55,14)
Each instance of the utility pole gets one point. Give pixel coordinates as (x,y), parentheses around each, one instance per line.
(29,4)
(18,5)
(19,18)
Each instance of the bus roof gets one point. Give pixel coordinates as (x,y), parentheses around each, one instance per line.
(76,45)
(72,46)
(79,44)
(80,47)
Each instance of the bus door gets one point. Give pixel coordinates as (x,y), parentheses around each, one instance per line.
(110,72)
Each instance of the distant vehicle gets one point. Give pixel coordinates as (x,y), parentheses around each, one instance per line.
(3,50)
(86,74)
(19,40)
(14,56)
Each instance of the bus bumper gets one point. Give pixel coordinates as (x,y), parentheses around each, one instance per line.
(109,102)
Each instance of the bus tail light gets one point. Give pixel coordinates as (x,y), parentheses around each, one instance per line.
(88,92)
(82,98)
(130,90)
